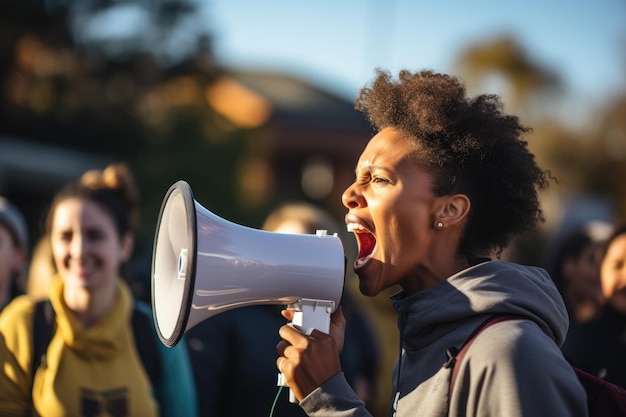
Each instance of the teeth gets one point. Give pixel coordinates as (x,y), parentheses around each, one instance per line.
(354,226)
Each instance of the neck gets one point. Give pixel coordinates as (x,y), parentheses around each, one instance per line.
(428,275)
(88,304)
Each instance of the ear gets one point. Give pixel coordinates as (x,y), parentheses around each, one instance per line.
(128,244)
(453,210)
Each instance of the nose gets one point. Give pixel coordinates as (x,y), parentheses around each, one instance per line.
(76,246)
(351,198)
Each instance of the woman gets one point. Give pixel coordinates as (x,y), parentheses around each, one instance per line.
(92,363)
(598,346)
(574,267)
(440,189)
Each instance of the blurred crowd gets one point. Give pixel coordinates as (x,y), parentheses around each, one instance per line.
(74,287)
(76,314)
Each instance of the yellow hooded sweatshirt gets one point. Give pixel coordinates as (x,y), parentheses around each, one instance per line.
(86,372)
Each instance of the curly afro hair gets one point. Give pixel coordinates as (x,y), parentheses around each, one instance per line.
(470,146)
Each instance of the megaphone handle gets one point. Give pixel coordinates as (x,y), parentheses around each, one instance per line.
(309,314)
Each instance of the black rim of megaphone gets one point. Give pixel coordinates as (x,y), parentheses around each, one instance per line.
(181,324)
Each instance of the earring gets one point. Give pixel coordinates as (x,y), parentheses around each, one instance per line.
(439,225)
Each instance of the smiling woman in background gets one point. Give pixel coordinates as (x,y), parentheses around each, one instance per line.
(95,361)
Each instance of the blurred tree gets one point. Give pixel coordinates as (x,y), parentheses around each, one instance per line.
(588,160)
(611,141)
(502,60)
(125,78)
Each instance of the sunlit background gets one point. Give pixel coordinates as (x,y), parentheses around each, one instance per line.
(252,102)
(337,44)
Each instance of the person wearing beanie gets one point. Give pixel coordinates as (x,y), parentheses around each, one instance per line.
(13,249)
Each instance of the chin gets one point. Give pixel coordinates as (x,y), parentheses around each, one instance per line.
(618,301)
(82,281)
(368,290)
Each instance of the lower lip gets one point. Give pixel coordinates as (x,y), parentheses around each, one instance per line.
(361,263)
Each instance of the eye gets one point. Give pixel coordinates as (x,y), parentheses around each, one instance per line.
(64,236)
(380,180)
(95,235)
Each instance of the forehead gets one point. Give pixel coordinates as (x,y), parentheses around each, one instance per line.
(76,210)
(617,246)
(388,146)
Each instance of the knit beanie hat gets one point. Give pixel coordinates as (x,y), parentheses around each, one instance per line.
(13,220)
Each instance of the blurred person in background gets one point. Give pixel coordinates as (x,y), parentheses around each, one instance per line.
(574,265)
(41,270)
(446,182)
(95,359)
(13,250)
(598,345)
(233,353)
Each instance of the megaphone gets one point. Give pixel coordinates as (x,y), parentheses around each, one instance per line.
(203,265)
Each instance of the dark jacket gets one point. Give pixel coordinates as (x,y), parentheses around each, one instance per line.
(514,368)
(598,346)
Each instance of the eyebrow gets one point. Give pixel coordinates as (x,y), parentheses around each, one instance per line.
(367,167)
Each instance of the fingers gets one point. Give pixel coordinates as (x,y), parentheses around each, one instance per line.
(279,363)
(288,313)
(306,362)
(293,336)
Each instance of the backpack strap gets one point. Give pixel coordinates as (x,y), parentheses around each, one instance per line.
(145,342)
(43,325)
(455,356)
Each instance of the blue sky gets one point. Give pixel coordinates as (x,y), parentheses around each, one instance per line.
(337,44)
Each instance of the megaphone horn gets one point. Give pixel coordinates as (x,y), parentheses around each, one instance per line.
(203,265)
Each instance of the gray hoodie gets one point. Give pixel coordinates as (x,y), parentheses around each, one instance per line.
(514,368)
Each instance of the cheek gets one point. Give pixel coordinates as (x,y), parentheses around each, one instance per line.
(412,227)
(59,252)
(607,285)
(612,281)
(620,280)
(405,244)
(111,253)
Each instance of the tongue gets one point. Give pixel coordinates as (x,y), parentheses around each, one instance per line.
(367,242)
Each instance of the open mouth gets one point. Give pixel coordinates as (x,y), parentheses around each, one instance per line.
(366,243)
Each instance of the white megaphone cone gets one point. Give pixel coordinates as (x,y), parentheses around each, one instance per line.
(203,265)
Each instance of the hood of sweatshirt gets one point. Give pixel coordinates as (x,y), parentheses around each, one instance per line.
(493,287)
